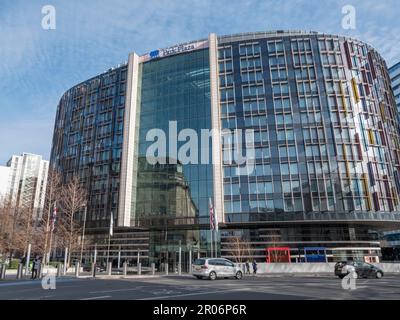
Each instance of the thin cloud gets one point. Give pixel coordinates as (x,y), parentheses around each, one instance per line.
(37,66)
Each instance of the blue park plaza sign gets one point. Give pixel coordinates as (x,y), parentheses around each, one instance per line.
(177,49)
(154,54)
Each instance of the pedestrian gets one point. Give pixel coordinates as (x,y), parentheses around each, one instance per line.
(254,267)
(247,267)
(35,267)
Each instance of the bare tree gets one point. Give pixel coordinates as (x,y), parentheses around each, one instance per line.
(53,195)
(239,249)
(16,228)
(73,200)
(275,239)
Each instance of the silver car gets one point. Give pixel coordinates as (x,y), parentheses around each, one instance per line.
(213,268)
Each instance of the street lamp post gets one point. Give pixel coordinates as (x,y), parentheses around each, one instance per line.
(83,233)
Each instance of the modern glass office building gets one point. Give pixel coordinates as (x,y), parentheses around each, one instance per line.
(394,73)
(393,237)
(323,180)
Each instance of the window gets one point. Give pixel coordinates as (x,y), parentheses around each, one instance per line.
(250,63)
(249,49)
(253,90)
(252,76)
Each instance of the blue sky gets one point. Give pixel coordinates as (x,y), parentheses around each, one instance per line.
(37,66)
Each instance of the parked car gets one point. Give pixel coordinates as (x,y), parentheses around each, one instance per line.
(213,268)
(361,269)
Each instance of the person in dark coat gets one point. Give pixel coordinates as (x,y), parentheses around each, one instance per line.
(254,267)
(35,267)
(247,267)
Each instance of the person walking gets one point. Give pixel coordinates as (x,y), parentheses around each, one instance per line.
(254,267)
(247,267)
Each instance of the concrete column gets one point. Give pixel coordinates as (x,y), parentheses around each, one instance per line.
(139,268)
(77,267)
(153,268)
(216,127)
(125,266)
(109,268)
(127,212)
(20,270)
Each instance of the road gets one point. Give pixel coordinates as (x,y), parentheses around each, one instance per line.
(187,288)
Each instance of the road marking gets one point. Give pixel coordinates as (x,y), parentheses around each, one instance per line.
(95,298)
(194,294)
(117,290)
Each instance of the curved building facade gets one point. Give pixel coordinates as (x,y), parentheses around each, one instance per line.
(325,150)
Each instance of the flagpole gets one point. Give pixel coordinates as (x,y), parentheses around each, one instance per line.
(216,243)
(212,243)
(212,225)
(109,237)
(51,233)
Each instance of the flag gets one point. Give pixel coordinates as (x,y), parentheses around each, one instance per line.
(111,224)
(54,217)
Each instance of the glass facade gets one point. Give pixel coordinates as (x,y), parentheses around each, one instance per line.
(327,143)
(326,138)
(322,128)
(172,198)
(87,141)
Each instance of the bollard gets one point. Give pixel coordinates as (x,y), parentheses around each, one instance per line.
(153,268)
(19,271)
(139,270)
(125,266)
(3,268)
(77,266)
(40,271)
(94,270)
(109,268)
(59,269)
(166,268)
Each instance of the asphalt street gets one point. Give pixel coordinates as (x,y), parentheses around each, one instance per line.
(280,287)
